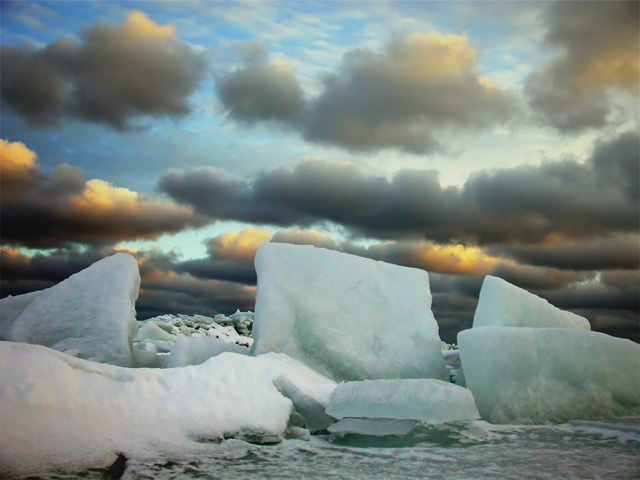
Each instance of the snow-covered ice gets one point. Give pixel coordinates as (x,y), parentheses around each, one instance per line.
(502,304)
(428,400)
(57,411)
(545,375)
(90,315)
(347,317)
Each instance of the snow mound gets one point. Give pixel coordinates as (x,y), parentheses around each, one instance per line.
(550,375)
(90,315)
(502,304)
(428,400)
(347,317)
(11,308)
(60,412)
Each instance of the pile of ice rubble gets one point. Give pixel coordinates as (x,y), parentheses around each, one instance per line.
(340,344)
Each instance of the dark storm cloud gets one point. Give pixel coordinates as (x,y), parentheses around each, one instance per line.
(599,53)
(401,98)
(52,210)
(261,90)
(526,204)
(601,253)
(111,75)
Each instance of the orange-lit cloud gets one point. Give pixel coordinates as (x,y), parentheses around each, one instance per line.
(49,210)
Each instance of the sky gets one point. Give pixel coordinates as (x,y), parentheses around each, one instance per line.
(463,138)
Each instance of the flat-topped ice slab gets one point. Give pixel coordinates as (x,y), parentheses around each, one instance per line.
(428,400)
(90,315)
(347,317)
(550,375)
(502,304)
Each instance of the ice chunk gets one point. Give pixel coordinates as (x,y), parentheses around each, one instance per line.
(60,412)
(151,331)
(194,350)
(311,410)
(11,308)
(91,312)
(347,317)
(428,400)
(504,305)
(378,427)
(547,375)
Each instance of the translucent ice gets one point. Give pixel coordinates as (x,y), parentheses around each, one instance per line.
(347,317)
(547,375)
(194,350)
(502,304)
(428,400)
(91,313)
(11,308)
(377,427)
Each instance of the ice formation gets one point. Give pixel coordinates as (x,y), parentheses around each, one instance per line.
(57,411)
(90,315)
(377,427)
(347,317)
(428,400)
(502,304)
(181,340)
(547,375)
(194,351)
(11,308)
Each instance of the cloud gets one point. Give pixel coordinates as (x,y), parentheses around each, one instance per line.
(261,90)
(111,75)
(525,204)
(48,210)
(404,97)
(599,53)
(600,253)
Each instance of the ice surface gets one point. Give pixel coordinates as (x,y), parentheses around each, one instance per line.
(91,314)
(377,427)
(311,410)
(194,351)
(151,331)
(11,308)
(428,400)
(347,317)
(502,304)
(546,375)
(58,411)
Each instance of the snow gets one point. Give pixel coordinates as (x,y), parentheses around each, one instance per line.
(502,304)
(57,411)
(347,317)
(90,315)
(550,375)
(428,400)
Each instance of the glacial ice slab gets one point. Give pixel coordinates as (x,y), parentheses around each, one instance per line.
(347,317)
(90,315)
(428,400)
(502,304)
(550,375)
(63,413)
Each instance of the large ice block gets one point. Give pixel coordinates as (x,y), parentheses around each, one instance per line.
(502,304)
(549,375)
(347,317)
(197,350)
(91,314)
(428,400)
